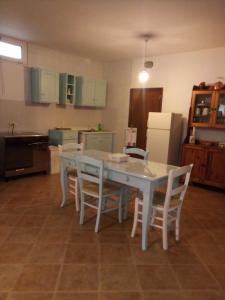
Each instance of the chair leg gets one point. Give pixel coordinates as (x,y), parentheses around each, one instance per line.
(135,218)
(125,202)
(82,209)
(120,208)
(164,232)
(99,210)
(153,216)
(77,198)
(177,228)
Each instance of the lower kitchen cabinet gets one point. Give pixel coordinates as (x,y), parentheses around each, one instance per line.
(209,164)
(90,92)
(60,136)
(98,140)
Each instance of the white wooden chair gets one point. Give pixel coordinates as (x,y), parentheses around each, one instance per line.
(133,192)
(137,151)
(73,185)
(94,191)
(166,206)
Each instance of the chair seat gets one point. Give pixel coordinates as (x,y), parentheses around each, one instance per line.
(93,188)
(159,200)
(72,172)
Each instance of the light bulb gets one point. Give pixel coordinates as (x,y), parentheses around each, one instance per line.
(143,76)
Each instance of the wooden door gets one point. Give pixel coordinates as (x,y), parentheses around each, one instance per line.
(143,101)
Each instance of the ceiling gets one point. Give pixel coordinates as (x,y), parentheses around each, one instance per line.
(110,29)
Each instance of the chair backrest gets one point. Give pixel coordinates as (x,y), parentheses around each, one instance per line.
(137,151)
(90,170)
(70,147)
(174,189)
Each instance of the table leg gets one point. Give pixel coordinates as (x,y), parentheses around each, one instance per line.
(147,207)
(64,183)
(125,197)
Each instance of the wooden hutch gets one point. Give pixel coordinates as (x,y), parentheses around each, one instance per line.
(207,111)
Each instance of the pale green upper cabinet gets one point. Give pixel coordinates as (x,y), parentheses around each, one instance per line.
(100,93)
(90,92)
(44,86)
(67,89)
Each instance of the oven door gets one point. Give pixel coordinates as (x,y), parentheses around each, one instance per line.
(18,154)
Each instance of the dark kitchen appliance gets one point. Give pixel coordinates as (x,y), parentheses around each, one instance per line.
(23,153)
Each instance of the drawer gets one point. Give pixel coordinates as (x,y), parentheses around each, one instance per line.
(67,141)
(69,134)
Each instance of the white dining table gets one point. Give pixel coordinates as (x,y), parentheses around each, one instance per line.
(141,174)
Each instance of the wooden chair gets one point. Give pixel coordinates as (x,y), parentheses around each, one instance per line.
(73,185)
(133,192)
(94,191)
(166,206)
(136,151)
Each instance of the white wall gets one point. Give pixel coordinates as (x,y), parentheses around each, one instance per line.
(13,92)
(176,74)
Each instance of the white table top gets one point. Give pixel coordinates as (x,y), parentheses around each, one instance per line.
(135,167)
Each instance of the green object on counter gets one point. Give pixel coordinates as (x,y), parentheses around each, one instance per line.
(99,127)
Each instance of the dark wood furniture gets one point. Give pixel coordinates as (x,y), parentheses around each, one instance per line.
(23,154)
(208,109)
(209,163)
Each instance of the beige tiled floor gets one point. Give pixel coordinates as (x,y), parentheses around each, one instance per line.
(46,255)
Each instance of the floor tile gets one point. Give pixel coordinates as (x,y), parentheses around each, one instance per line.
(113,237)
(121,270)
(30,296)
(194,277)
(115,254)
(3,296)
(4,232)
(157,277)
(9,219)
(82,236)
(154,255)
(181,253)
(24,235)
(168,295)
(82,254)
(219,273)
(14,253)
(121,296)
(202,295)
(37,278)
(76,296)
(79,278)
(58,220)
(32,220)
(52,253)
(53,235)
(210,254)
(118,277)
(8,275)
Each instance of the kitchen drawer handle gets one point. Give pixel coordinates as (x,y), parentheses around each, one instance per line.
(20,170)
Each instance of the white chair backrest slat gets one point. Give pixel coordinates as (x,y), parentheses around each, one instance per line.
(137,151)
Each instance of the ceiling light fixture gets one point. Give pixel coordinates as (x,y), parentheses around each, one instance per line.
(143,75)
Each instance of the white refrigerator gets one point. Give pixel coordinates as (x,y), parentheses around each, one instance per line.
(164,137)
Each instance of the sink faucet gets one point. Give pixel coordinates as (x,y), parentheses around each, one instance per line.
(12,126)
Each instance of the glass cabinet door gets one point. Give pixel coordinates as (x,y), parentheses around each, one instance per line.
(220,110)
(201,106)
